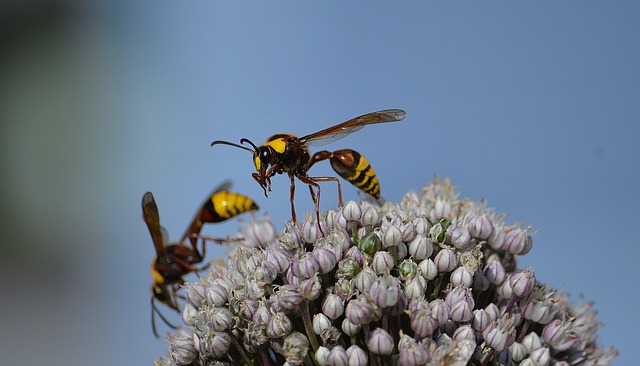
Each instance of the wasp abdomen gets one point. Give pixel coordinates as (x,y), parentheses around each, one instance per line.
(355,168)
(225,205)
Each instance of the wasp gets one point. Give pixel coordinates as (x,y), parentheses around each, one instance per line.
(286,153)
(175,260)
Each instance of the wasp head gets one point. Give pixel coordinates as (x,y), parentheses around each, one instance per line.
(262,160)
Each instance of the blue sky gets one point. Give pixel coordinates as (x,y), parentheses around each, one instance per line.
(533,106)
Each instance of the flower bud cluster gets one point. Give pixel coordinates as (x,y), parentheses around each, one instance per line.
(430,280)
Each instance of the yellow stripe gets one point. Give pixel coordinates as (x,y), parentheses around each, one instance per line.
(278,145)
(221,203)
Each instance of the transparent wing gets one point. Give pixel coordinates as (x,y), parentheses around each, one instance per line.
(343,129)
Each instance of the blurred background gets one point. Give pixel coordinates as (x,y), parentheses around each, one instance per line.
(533,106)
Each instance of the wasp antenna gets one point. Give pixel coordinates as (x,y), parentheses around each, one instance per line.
(244,139)
(220,142)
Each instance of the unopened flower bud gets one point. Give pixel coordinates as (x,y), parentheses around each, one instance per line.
(408,269)
(320,323)
(428,269)
(459,237)
(359,311)
(259,233)
(532,342)
(541,356)
(338,356)
(349,328)
(391,236)
(440,310)
(311,288)
(218,344)
(279,325)
(461,311)
(480,226)
(421,225)
(278,258)
(182,350)
(408,231)
(189,314)
(415,288)
(423,323)
(517,241)
(494,271)
(517,351)
(412,353)
(332,306)
(347,269)
(380,342)
(326,259)
(306,267)
(461,276)
(364,279)
(420,248)
(522,282)
(464,332)
(370,217)
(196,293)
(500,334)
(559,335)
(357,356)
(370,243)
(382,262)
(385,291)
(351,211)
(446,260)
(217,295)
(438,232)
(322,356)
(311,232)
(295,348)
(289,298)
(481,320)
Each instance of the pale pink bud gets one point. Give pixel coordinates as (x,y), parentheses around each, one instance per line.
(459,237)
(559,335)
(420,247)
(182,350)
(522,282)
(332,306)
(382,262)
(279,325)
(517,241)
(385,291)
(338,356)
(480,226)
(349,328)
(380,342)
(351,211)
(370,217)
(461,311)
(495,272)
(359,311)
(428,269)
(446,260)
(464,332)
(357,356)
(320,322)
(390,236)
(541,356)
(461,277)
(517,351)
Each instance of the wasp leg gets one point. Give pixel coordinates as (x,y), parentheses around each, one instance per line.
(154,311)
(316,200)
(292,190)
(324,155)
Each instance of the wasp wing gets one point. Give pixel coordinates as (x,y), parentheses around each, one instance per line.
(343,129)
(195,225)
(152,219)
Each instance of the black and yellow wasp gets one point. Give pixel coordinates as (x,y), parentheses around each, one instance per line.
(286,153)
(174,260)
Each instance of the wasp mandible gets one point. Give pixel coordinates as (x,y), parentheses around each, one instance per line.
(286,153)
(174,260)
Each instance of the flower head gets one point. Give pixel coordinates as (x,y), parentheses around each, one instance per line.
(430,280)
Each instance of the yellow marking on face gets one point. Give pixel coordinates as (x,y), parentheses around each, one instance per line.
(157,277)
(256,162)
(278,145)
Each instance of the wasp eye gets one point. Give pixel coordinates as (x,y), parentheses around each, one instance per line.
(265,154)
